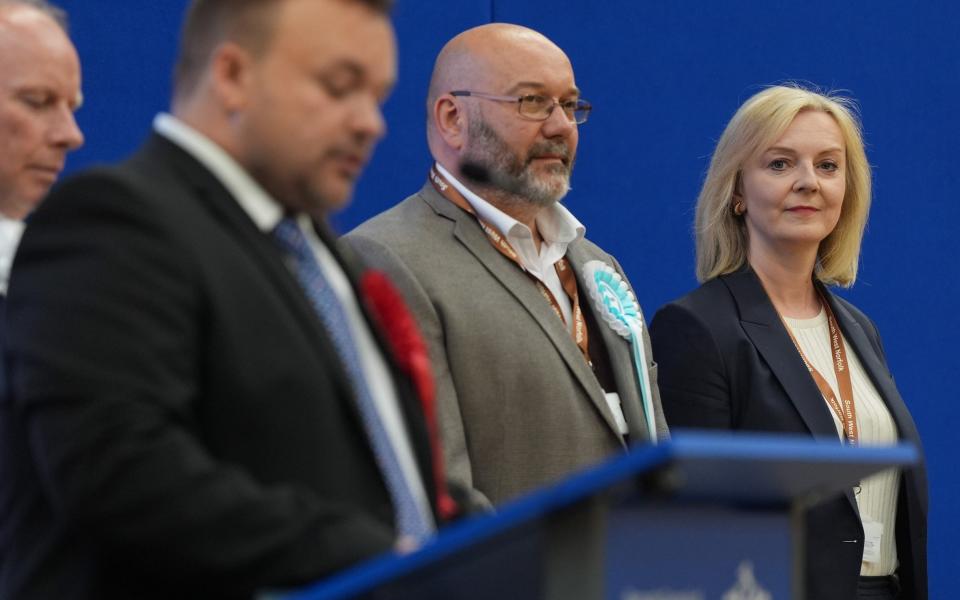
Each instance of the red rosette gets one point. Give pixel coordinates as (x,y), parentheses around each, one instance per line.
(410,353)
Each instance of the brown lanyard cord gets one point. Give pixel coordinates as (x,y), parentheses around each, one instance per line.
(564,271)
(844,406)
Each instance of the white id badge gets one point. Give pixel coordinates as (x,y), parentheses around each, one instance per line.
(872,535)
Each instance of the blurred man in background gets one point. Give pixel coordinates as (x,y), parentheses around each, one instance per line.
(201,403)
(39,92)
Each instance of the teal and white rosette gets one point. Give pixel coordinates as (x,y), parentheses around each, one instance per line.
(618,307)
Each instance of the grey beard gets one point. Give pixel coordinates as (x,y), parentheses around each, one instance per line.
(517,183)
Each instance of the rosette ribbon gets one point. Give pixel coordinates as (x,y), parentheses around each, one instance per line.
(616,305)
(410,353)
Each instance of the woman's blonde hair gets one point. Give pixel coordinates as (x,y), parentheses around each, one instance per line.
(721,235)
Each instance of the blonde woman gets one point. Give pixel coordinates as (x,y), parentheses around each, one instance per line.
(780,218)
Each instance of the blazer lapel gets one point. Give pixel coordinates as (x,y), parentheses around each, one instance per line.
(255,244)
(762,325)
(870,359)
(517,283)
(261,250)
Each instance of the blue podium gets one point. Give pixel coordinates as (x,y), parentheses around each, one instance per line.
(701,517)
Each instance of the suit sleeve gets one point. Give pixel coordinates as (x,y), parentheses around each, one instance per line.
(106,324)
(450,422)
(693,379)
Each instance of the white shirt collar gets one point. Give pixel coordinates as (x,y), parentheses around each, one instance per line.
(263,210)
(556,224)
(11,230)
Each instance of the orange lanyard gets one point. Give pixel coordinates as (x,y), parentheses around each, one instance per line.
(844,407)
(564,271)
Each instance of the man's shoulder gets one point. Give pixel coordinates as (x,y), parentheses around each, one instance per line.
(592,249)
(412,220)
(584,250)
(149,173)
(414,238)
(146,198)
(98,191)
(394,218)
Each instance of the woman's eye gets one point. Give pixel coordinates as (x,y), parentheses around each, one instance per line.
(829,166)
(778,164)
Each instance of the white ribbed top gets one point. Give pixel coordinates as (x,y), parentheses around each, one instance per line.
(877,499)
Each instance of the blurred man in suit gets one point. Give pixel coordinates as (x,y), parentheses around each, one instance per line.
(532,382)
(201,406)
(39,92)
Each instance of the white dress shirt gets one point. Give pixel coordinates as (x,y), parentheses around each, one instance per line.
(266,213)
(11,230)
(558,229)
(557,226)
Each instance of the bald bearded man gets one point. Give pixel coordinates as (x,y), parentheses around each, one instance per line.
(532,382)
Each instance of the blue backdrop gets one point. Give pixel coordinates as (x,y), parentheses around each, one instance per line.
(664,77)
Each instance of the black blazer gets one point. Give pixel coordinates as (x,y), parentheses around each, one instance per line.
(180,425)
(727,362)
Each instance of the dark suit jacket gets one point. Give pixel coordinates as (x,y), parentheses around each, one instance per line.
(3,338)
(727,362)
(180,424)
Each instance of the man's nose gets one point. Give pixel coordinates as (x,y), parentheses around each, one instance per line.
(558,124)
(65,133)
(368,120)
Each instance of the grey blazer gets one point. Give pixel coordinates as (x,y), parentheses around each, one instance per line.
(518,405)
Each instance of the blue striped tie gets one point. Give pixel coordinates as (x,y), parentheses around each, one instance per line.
(410,519)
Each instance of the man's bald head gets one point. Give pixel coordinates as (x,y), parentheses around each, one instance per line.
(58,15)
(477,57)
